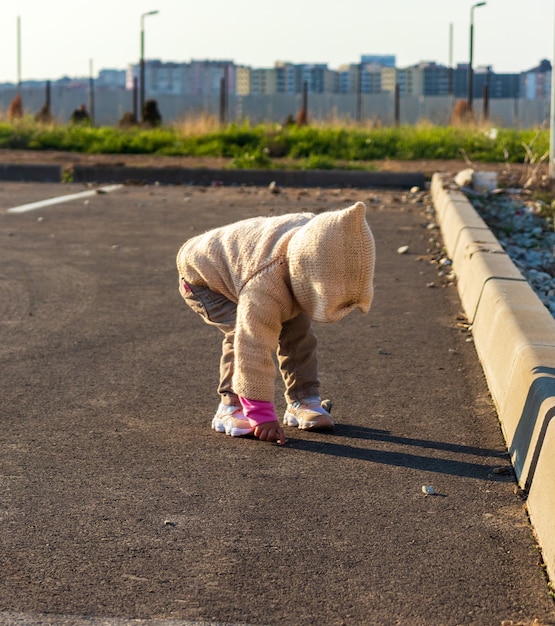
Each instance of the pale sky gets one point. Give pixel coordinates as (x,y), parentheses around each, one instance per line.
(62,37)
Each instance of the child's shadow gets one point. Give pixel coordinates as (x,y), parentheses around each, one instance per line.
(336,444)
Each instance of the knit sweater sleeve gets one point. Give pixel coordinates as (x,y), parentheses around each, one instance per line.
(263,305)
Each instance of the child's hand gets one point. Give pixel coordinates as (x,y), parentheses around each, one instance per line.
(270,431)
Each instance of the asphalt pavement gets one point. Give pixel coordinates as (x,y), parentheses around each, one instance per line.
(119,505)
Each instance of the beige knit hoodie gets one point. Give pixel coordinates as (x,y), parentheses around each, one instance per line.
(275,267)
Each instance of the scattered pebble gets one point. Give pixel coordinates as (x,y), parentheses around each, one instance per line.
(521,493)
(464,177)
(526,236)
(402,250)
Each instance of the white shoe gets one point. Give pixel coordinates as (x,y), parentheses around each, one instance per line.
(230,420)
(309,414)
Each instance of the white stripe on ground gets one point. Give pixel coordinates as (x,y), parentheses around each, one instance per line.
(60,199)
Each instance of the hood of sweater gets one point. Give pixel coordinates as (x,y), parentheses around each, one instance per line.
(331,263)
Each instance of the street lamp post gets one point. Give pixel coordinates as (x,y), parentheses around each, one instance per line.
(552,121)
(18,54)
(470,70)
(142,92)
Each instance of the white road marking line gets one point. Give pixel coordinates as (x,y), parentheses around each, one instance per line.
(59,199)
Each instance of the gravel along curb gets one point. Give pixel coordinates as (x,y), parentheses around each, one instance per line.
(514,335)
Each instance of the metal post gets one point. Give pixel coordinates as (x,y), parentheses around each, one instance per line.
(359,93)
(135,101)
(470,71)
(142,71)
(450,79)
(91,92)
(485,96)
(142,62)
(222,100)
(18,54)
(552,122)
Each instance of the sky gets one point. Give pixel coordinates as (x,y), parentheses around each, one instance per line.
(68,38)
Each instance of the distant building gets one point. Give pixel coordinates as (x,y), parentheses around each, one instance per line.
(409,80)
(363,77)
(499,85)
(193,78)
(535,84)
(318,78)
(287,78)
(111,78)
(435,79)
(263,81)
(242,80)
(374,74)
(383,60)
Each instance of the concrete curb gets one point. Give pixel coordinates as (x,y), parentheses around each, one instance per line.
(283,178)
(16,172)
(198,176)
(514,335)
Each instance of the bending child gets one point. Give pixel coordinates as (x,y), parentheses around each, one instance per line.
(263,282)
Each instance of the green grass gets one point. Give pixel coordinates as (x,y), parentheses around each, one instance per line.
(310,147)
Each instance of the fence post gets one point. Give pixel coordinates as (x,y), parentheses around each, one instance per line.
(485,96)
(91,93)
(302,115)
(223,99)
(359,93)
(135,97)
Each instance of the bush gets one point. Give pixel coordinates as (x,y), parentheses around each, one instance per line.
(259,146)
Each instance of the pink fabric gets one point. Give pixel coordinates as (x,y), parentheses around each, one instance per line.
(258,411)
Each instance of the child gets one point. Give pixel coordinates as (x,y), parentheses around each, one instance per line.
(262,282)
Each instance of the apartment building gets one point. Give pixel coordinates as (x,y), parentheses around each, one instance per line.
(196,78)
(287,78)
(360,77)
(115,79)
(409,80)
(242,80)
(374,74)
(535,84)
(436,79)
(263,81)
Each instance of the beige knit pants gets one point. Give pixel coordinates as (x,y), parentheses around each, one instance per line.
(296,350)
